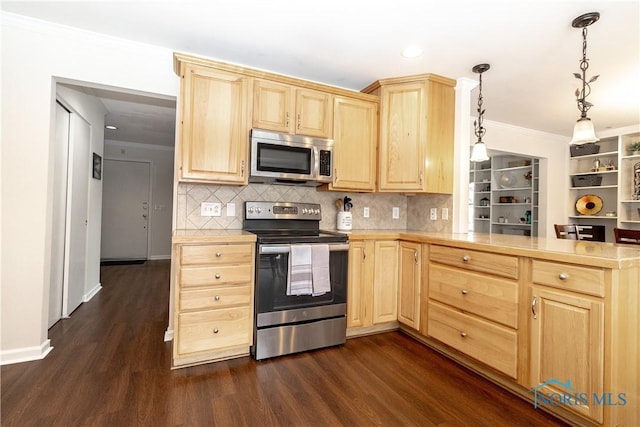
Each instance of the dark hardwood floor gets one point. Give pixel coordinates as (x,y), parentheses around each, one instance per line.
(110,367)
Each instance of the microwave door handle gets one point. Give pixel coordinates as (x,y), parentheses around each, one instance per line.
(315,161)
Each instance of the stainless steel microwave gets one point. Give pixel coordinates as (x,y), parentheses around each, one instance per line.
(290,159)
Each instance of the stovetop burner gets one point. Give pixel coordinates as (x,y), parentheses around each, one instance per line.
(287,222)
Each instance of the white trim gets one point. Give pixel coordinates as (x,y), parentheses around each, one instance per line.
(139,145)
(608,133)
(525,131)
(168,335)
(158,257)
(92,293)
(25,354)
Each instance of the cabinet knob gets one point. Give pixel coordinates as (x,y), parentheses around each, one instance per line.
(218,275)
(466,258)
(218,254)
(563,276)
(217,297)
(463,334)
(464,292)
(215,331)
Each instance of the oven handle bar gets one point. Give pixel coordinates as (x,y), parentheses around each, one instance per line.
(281,249)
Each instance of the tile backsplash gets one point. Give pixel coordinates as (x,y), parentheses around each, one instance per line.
(414,210)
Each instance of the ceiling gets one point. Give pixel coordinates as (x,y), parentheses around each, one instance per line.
(530,44)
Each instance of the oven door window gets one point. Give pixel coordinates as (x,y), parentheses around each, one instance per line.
(284,158)
(271,283)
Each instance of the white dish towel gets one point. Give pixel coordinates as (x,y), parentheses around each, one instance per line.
(320,269)
(300,277)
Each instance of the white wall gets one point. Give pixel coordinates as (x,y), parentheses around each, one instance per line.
(33,54)
(161,189)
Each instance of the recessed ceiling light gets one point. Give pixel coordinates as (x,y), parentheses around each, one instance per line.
(110,127)
(412,51)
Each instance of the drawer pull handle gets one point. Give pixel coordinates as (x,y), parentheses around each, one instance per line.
(217,298)
(466,258)
(218,275)
(463,334)
(218,254)
(534,302)
(563,276)
(464,292)
(215,331)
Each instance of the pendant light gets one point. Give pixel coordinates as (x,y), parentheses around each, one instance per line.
(583,131)
(479,152)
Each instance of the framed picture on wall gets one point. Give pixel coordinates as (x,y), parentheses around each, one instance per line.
(97,166)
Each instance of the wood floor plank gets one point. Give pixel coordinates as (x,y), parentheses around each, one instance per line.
(111,367)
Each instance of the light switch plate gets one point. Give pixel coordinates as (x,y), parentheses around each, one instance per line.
(210,209)
(231,209)
(445,213)
(365,212)
(395,213)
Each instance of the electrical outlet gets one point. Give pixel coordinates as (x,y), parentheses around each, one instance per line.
(445,213)
(365,212)
(434,213)
(210,209)
(395,213)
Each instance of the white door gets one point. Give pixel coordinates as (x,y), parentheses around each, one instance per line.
(61,155)
(80,163)
(125,210)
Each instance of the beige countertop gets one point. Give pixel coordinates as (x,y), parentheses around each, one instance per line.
(607,255)
(212,236)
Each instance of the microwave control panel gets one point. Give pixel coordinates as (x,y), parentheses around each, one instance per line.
(325,163)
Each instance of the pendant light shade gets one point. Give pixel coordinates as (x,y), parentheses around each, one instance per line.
(583,132)
(479,152)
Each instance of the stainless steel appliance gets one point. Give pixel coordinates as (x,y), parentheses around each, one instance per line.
(286,323)
(288,159)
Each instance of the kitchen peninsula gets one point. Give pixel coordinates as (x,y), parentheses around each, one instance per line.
(520,311)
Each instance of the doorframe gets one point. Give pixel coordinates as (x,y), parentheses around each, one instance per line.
(150,195)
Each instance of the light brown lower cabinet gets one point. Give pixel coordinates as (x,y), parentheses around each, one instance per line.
(373,285)
(563,334)
(213,297)
(409,284)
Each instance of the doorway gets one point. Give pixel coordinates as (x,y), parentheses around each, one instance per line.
(125,210)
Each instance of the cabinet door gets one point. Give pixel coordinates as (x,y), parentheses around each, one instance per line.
(385,283)
(314,113)
(409,284)
(273,106)
(439,138)
(401,161)
(215,129)
(354,155)
(567,345)
(359,290)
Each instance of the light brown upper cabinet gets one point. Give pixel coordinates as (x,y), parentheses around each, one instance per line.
(416,133)
(355,132)
(284,108)
(214,125)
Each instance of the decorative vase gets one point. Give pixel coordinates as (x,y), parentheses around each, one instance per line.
(636,181)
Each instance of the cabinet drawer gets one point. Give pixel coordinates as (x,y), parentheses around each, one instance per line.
(216,254)
(490,297)
(484,262)
(215,297)
(213,329)
(487,342)
(215,275)
(588,280)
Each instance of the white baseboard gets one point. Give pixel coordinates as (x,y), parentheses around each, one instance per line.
(168,335)
(158,257)
(92,293)
(25,354)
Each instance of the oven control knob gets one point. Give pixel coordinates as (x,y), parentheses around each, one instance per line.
(250,209)
(316,211)
(304,211)
(259,210)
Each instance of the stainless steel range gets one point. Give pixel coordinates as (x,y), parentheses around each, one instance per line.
(301,279)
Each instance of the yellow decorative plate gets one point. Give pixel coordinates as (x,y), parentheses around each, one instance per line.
(589,204)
